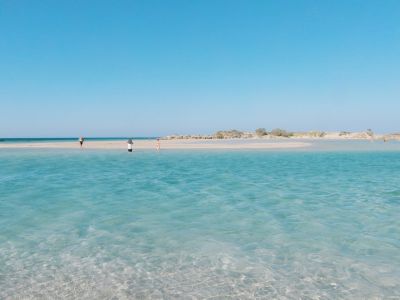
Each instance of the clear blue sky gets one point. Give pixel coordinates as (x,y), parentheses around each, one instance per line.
(148,68)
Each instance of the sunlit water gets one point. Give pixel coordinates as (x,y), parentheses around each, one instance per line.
(199,224)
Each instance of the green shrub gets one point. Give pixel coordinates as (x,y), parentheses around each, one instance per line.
(319,134)
(281,132)
(219,135)
(343,133)
(261,132)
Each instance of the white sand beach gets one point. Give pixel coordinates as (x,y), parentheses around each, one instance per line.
(165,144)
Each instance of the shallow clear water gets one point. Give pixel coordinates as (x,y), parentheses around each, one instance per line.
(181,224)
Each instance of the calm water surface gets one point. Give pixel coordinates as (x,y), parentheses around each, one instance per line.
(200,224)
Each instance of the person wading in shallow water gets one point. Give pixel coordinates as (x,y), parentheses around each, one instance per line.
(81,140)
(158,144)
(130,143)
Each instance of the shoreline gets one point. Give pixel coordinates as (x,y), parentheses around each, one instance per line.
(279,143)
(165,144)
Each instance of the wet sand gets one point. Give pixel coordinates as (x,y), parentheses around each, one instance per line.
(165,144)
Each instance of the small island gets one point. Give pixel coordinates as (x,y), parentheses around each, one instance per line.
(262,133)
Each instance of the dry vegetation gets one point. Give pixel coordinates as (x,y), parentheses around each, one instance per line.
(262,133)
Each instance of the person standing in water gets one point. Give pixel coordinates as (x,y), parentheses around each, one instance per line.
(158,144)
(81,140)
(130,143)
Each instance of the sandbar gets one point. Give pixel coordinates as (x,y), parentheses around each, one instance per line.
(165,144)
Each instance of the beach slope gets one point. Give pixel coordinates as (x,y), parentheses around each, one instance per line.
(165,144)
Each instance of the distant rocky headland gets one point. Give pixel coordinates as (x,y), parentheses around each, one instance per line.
(262,133)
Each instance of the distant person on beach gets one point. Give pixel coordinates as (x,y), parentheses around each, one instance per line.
(130,143)
(158,144)
(81,140)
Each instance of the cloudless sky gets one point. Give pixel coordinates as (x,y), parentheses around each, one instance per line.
(149,68)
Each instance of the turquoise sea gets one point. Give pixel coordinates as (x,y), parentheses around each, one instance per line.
(103,224)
